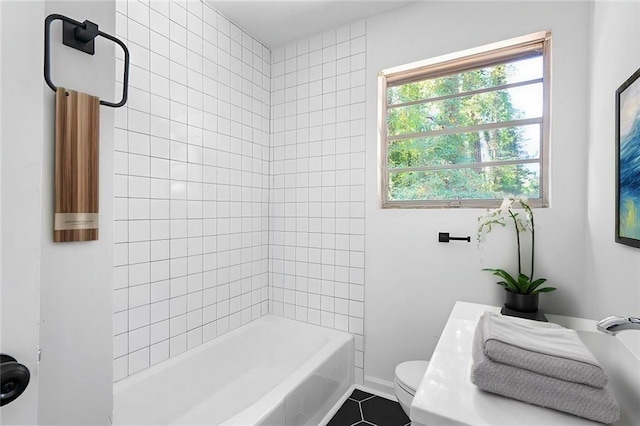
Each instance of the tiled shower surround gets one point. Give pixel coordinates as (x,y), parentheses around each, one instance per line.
(316,222)
(191,182)
(239,181)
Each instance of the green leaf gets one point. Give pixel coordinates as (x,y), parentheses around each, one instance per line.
(523,283)
(509,282)
(535,284)
(544,290)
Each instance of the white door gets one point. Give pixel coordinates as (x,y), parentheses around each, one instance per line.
(20,197)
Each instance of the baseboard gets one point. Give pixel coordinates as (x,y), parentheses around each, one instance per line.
(379,387)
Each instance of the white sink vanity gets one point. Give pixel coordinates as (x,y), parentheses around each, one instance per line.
(446,395)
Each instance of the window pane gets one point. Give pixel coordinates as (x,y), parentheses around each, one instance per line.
(472,183)
(459,132)
(514,72)
(510,143)
(490,107)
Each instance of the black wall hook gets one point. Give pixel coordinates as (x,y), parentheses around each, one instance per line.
(443,237)
(81,36)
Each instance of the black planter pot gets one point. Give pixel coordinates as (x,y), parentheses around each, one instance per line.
(521,302)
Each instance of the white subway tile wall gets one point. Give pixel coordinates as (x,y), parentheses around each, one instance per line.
(191,181)
(316,213)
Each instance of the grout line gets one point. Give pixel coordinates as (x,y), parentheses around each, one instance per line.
(368,398)
(361,412)
(149,363)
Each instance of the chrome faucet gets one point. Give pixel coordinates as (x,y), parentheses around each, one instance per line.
(614,325)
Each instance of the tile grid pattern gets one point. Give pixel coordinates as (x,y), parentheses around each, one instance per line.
(316,213)
(191,181)
(363,408)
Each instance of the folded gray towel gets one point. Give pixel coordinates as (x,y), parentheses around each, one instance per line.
(573,398)
(542,348)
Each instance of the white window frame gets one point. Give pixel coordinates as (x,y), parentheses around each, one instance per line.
(469,59)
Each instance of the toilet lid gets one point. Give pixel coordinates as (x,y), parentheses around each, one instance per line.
(409,374)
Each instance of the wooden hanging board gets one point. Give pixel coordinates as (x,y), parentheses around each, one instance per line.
(76,168)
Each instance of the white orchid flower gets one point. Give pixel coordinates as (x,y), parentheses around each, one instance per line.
(505,214)
(506,205)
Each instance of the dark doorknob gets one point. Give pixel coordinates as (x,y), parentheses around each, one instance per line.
(14,379)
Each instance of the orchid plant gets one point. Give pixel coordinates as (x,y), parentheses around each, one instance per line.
(523,284)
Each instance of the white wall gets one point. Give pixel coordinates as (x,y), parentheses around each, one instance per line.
(191,182)
(74,375)
(75,289)
(612,280)
(318,181)
(412,281)
(21,174)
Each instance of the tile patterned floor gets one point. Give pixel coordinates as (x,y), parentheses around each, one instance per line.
(365,409)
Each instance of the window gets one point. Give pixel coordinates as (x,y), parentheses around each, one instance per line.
(467,129)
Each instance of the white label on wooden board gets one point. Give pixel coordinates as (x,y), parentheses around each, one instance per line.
(69,221)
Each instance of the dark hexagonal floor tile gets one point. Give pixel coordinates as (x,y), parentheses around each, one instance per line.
(347,415)
(383,412)
(359,395)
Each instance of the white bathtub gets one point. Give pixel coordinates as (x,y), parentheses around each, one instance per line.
(272,372)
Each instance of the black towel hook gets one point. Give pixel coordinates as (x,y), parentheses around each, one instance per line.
(81,36)
(444,237)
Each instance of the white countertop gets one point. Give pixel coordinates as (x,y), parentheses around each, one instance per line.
(446,395)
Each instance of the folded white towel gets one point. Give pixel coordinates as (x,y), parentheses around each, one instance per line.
(543,348)
(536,336)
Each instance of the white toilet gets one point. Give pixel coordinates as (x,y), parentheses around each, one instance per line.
(408,377)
